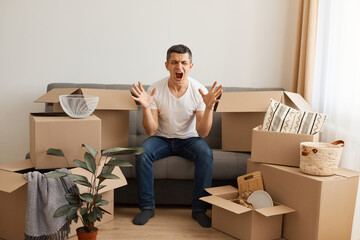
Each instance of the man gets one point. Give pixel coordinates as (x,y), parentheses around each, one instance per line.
(177,114)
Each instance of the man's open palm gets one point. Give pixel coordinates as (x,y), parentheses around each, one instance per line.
(211,97)
(142,96)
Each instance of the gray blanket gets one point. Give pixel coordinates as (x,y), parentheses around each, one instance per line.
(45,195)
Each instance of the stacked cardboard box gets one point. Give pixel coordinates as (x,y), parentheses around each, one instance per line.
(324,206)
(113,110)
(315,199)
(107,128)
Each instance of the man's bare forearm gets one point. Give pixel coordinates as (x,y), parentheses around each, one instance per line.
(204,125)
(149,122)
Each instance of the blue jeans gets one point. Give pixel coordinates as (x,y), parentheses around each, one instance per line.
(194,149)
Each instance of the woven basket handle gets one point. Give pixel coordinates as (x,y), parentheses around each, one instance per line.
(306,153)
(339,142)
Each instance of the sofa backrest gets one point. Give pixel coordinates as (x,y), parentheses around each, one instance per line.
(137,133)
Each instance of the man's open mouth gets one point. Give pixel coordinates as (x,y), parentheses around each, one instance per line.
(179,75)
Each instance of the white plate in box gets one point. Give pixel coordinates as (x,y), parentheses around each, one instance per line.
(260,199)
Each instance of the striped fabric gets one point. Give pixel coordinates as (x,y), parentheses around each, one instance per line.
(282,118)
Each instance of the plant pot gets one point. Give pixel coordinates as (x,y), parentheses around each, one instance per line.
(82,235)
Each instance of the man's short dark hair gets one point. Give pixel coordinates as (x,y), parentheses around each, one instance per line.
(182,49)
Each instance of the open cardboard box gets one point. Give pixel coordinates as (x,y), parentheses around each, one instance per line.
(324,205)
(242,111)
(278,148)
(113,110)
(65,133)
(13,197)
(241,222)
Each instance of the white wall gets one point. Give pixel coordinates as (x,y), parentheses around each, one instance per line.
(245,43)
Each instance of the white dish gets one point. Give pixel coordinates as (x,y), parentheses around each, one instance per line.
(260,199)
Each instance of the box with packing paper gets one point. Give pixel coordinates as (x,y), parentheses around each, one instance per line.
(243,111)
(240,221)
(324,205)
(13,197)
(113,110)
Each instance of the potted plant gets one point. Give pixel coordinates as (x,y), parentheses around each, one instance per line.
(88,206)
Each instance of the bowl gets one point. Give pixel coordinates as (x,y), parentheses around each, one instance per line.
(78,105)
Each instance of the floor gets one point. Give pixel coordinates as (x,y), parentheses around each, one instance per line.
(168,223)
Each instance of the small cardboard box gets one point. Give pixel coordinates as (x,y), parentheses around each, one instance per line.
(324,205)
(242,111)
(278,148)
(13,198)
(65,133)
(113,109)
(241,222)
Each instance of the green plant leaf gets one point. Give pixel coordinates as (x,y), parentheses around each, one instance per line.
(107,176)
(92,217)
(80,163)
(83,211)
(77,177)
(102,203)
(98,197)
(98,213)
(72,198)
(90,162)
(107,169)
(83,183)
(61,211)
(72,211)
(121,150)
(119,163)
(86,219)
(91,150)
(55,152)
(55,174)
(100,187)
(72,217)
(87,197)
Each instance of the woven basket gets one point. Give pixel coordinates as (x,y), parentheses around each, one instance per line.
(320,159)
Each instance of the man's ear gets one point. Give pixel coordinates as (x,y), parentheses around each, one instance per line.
(167,65)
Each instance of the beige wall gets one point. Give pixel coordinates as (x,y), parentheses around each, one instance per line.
(246,43)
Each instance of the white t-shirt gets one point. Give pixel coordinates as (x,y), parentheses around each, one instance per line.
(177,116)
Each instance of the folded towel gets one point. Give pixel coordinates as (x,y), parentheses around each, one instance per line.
(45,196)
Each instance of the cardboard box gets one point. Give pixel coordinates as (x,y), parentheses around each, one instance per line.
(63,133)
(324,205)
(278,148)
(113,109)
(243,111)
(241,222)
(13,198)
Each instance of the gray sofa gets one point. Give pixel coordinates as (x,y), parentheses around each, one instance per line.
(173,176)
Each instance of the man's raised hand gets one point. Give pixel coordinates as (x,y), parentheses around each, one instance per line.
(142,96)
(211,97)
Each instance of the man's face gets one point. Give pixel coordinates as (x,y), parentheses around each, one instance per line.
(179,66)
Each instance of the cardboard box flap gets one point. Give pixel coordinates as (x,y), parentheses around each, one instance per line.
(17,165)
(221,190)
(10,181)
(112,99)
(52,96)
(346,173)
(257,101)
(273,211)
(298,101)
(110,183)
(226,204)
